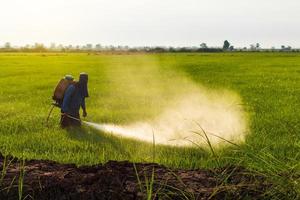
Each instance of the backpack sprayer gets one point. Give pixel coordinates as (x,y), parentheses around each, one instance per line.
(58,95)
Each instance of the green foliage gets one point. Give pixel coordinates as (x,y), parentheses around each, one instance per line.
(21,178)
(226,45)
(268,83)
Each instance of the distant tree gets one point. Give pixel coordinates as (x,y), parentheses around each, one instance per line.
(7,45)
(60,47)
(172,49)
(52,46)
(257,46)
(111,47)
(25,48)
(119,47)
(69,47)
(226,45)
(231,48)
(203,46)
(89,47)
(286,48)
(39,47)
(98,47)
(252,47)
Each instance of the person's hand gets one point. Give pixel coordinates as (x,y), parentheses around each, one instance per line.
(84,114)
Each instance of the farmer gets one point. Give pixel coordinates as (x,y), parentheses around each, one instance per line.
(74,98)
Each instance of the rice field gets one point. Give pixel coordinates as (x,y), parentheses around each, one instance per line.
(126,88)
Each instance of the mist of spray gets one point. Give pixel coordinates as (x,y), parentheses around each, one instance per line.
(191,108)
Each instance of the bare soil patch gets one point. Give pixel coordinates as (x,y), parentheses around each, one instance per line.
(118,180)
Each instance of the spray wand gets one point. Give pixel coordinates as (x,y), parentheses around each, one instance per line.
(77,119)
(53,105)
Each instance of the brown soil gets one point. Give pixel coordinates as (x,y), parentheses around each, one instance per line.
(118,180)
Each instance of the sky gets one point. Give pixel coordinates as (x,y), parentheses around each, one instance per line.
(151,22)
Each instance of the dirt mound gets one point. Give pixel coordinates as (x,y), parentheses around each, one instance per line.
(119,180)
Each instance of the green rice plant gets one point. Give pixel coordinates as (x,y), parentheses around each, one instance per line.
(21,178)
(153,147)
(149,183)
(117,98)
(103,156)
(123,90)
(147,186)
(138,178)
(167,191)
(285,179)
(4,169)
(5,165)
(170,191)
(7,189)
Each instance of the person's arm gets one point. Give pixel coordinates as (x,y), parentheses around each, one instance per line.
(83,108)
(67,98)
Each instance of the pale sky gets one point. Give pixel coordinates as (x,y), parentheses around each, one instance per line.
(151,22)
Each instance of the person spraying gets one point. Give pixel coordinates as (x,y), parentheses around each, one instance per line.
(74,98)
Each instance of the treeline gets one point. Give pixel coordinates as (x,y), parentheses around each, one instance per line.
(203,47)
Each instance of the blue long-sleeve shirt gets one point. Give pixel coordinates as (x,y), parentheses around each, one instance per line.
(73,100)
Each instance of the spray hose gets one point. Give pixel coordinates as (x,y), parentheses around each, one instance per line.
(56,105)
